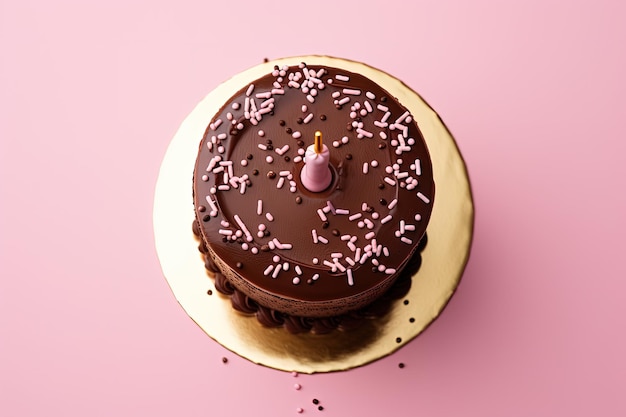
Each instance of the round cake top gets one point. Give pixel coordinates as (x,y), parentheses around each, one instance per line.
(256,214)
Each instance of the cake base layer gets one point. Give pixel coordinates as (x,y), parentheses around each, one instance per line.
(443,260)
(297,324)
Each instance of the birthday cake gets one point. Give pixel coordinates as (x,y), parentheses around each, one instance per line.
(312,191)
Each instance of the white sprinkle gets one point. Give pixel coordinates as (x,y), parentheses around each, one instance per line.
(345,140)
(386,219)
(269,217)
(320,213)
(423,197)
(250,89)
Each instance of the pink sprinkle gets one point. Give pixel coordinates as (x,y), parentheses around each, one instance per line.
(390,271)
(268,270)
(259,207)
(269,159)
(278,91)
(269,217)
(343,101)
(314,234)
(336,94)
(342,211)
(386,219)
(267,94)
(365,167)
(322,239)
(370,235)
(382,107)
(423,197)
(308,118)
(310,98)
(389,181)
(352,91)
(336,255)
(296,134)
(320,213)
(262,147)
(392,204)
(340,77)
(304,108)
(355,216)
(406,240)
(276,271)
(250,89)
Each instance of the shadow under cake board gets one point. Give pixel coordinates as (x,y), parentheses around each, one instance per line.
(443,260)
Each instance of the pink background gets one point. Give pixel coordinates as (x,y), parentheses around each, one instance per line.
(90,96)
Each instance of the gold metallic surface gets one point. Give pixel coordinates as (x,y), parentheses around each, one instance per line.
(444,258)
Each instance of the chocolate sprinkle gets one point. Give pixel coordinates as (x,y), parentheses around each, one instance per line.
(398,339)
(400,365)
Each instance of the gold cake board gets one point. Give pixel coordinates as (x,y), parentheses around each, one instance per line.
(443,260)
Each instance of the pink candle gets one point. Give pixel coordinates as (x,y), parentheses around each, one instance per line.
(316,175)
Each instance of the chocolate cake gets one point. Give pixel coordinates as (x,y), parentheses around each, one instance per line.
(293,254)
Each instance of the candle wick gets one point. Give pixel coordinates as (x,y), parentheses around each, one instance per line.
(318,142)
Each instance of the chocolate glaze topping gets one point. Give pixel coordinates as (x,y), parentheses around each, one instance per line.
(291,250)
